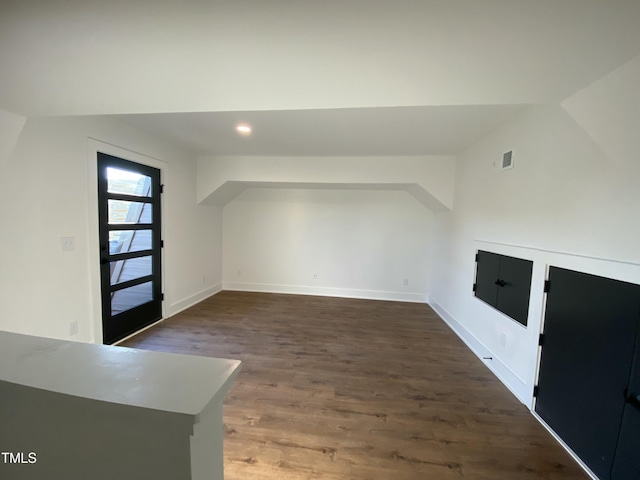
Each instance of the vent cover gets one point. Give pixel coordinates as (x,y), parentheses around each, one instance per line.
(506,162)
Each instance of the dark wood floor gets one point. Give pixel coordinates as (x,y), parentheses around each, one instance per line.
(343,389)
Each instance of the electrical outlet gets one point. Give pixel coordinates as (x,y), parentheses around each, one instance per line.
(315,276)
(239,273)
(204,279)
(73,328)
(503,339)
(405,282)
(67,244)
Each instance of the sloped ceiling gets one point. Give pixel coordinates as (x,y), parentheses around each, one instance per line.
(333,59)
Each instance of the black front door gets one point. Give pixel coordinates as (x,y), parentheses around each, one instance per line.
(130,243)
(590,331)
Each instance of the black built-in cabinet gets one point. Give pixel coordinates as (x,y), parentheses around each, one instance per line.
(589,380)
(504,283)
(588,388)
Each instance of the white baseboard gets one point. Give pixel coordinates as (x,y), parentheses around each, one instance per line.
(413,297)
(178,307)
(514,383)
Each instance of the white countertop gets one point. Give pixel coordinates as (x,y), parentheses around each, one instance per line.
(160,381)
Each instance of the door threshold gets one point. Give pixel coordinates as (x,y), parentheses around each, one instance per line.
(137,332)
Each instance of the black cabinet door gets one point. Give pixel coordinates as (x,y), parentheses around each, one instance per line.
(487,272)
(626,465)
(589,336)
(504,283)
(515,288)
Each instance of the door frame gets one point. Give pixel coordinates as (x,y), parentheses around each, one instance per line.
(93,238)
(133,317)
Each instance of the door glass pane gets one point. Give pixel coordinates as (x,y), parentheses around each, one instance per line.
(121,211)
(131,297)
(129,183)
(123,241)
(130,269)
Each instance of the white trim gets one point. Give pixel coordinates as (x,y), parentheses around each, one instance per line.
(188,302)
(565,446)
(413,297)
(559,252)
(513,382)
(93,238)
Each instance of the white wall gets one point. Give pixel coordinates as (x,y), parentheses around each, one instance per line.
(360,243)
(568,202)
(46,190)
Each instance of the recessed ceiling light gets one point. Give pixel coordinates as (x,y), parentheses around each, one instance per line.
(243,129)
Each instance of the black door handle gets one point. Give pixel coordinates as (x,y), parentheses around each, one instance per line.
(632,399)
(500,283)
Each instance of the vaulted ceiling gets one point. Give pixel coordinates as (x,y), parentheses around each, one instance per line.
(315,77)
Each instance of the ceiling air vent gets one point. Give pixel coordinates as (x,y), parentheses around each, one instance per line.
(506,163)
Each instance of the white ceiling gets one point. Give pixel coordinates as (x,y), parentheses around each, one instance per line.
(317,77)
